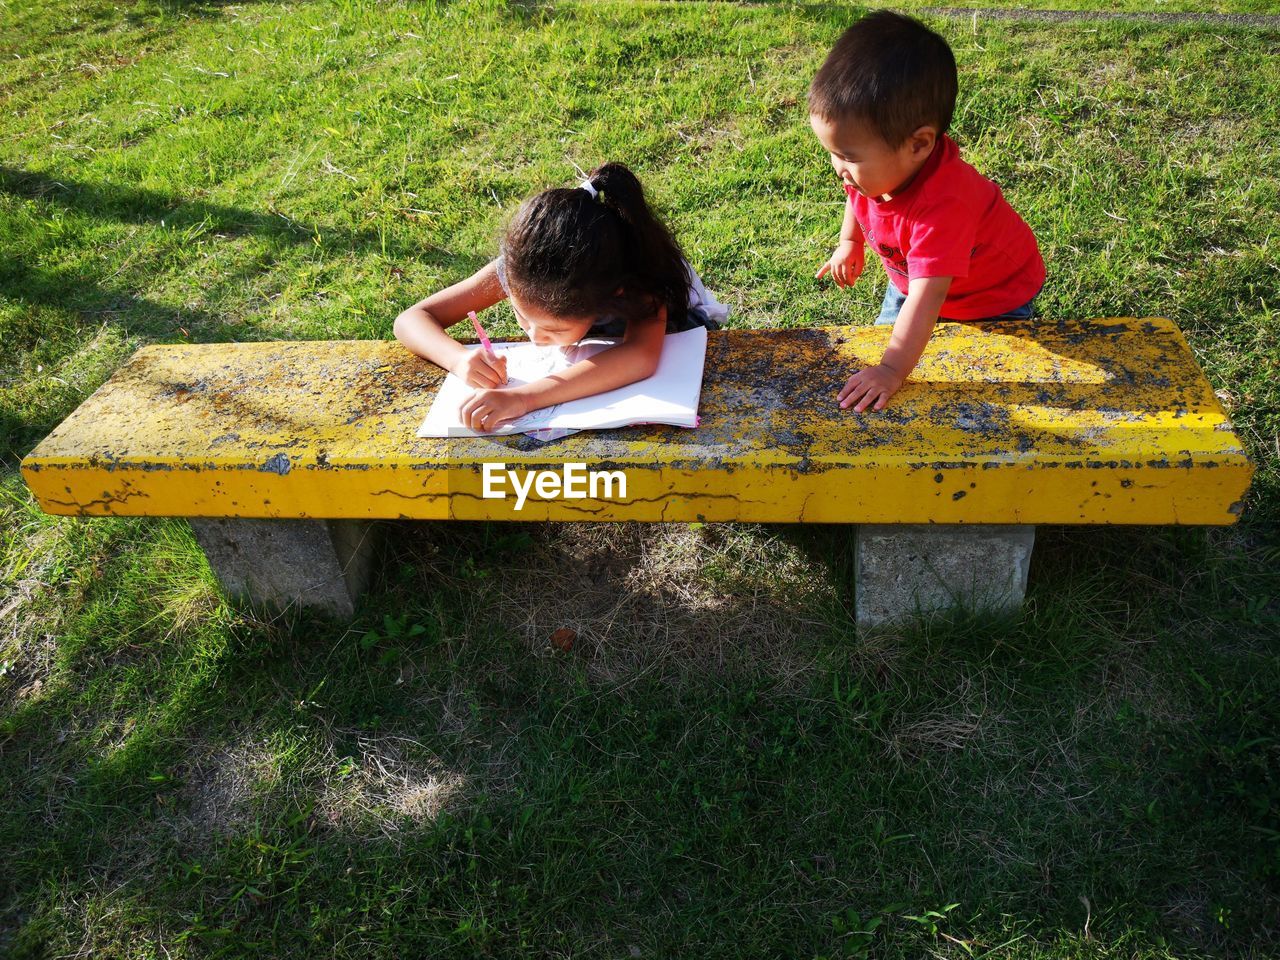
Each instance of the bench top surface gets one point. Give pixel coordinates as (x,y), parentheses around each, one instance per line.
(327,429)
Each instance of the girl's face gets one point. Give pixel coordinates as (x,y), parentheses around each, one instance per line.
(544,329)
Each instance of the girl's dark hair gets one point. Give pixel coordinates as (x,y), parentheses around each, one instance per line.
(570,253)
(891,71)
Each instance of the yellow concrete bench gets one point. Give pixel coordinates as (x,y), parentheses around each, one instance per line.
(1000,427)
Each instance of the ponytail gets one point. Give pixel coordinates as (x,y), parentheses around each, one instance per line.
(571,250)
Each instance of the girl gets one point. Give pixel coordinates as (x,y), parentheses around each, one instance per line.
(595,261)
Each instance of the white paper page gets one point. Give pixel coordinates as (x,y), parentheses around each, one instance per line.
(669,396)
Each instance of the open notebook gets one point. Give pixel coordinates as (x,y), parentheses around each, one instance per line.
(669,396)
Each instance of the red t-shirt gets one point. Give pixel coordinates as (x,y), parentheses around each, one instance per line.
(954,222)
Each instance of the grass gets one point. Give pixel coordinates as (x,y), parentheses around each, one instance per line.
(1264,7)
(717,766)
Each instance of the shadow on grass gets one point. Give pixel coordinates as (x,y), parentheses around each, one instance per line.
(440,776)
(138,205)
(149,208)
(99,297)
(146,11)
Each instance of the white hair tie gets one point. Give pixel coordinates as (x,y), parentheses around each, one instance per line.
(586,185)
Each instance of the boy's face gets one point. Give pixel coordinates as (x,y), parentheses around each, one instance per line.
(864,160)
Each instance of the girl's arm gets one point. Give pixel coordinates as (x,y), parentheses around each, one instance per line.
(635,358)
(422,328)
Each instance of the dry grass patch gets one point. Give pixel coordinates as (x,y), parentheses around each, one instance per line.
(679,599)
(963,719)
(383,784)
(367,784)
(28,622)
(220,787)
(1129,682)
(706,137)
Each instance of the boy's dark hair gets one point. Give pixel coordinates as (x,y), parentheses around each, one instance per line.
(570,253)
(891,71)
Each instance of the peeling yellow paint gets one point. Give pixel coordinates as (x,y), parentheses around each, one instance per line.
(1104,421)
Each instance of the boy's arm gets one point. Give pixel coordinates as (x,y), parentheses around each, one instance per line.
(911,331)
(849,229)
(846,263)
(635,358)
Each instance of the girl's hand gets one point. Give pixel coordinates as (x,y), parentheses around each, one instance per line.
(487,410)
(845,265)
(476,369)
(873,385)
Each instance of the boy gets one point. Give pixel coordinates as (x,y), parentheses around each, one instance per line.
(951,244)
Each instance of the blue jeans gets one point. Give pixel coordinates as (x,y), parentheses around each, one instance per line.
(893,301)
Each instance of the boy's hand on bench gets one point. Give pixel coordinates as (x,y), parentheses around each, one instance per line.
(874,385)
(476,369)
(845,264)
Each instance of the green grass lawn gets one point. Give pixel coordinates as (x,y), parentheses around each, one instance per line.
(719,766)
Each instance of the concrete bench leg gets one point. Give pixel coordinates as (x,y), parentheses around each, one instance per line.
(278,563)
(905,569)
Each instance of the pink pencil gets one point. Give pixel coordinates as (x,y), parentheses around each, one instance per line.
(484,337)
